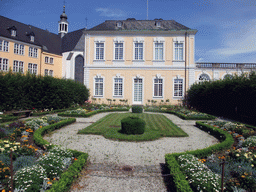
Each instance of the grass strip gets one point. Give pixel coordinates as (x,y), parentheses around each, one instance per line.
(157,126)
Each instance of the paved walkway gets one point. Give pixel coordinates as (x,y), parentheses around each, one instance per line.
(126,166)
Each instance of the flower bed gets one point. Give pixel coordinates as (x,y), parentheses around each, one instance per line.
(240,159)
(34,171)
(85,113)
(181,112)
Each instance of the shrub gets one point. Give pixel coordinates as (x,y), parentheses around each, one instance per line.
(23,161)
(137,109)
(132,125)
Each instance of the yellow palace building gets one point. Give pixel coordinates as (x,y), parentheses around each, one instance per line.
(134,60)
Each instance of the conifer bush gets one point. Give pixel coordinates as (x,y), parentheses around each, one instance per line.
(132,126)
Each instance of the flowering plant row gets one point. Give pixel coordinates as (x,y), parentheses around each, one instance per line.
(240,160)
(48,167)
(198,174)
(181,112)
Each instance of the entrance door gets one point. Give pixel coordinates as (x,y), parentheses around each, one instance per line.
(137,91)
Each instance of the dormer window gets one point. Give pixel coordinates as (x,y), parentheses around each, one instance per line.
(119,24)
(13,31)
(158,24)
(32,38)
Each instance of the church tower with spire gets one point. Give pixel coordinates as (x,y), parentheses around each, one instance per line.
(63,23)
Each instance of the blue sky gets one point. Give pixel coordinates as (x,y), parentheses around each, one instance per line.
(226,28)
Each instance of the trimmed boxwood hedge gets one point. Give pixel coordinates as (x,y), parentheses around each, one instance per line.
(66,178)
(8,118)
(182,116)
(137,109)
(179,178)
(132,125)
(38,134)
(90,113)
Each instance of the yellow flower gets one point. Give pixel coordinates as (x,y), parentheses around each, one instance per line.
(243,176)
(49,183)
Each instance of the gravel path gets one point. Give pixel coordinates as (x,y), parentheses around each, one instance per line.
(126,166)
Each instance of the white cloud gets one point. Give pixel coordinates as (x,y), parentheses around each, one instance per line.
(106,12)
(238,38)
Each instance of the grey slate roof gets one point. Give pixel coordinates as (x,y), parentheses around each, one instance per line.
(49,42)
(71,39)
(133,24)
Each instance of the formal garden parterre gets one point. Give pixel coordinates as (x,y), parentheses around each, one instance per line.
(237,144)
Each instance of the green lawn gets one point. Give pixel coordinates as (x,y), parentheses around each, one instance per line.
(157,126)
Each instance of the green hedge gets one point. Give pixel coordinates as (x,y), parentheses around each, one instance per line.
(182,116)
(90,113)
(8,118)
(232,97)
(28,91)
(51,112)
(137,109)
(38,134)
(179,178)
(66,178)
(132,125)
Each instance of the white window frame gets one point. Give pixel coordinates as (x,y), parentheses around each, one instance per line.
(46,59)
(96,41)
(133,93)
(46,72)
(21,50)
(5,46)
(32,68)
(138,48)
(139,40)
(94,86)
(51,60)
(32,38)
(158,77)
(30,52)
(174,51)
(201,80)
(18,66)
(98,49)
(18,49)
(158,40)
(51,73)
(178,78)
(13,33)
(4,64)
(33,52)
(118,48)
(114,85)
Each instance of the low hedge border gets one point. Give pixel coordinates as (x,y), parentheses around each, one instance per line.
(8,118)
(66,178)
(182,116)
(38,134)
(50,112)
(90,113)
(182,185)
